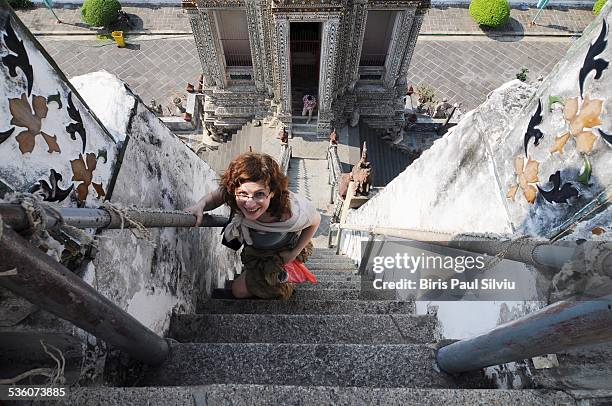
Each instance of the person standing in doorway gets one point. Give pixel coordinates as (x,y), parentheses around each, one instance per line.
(310,102)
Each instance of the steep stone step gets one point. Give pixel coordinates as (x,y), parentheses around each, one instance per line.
(298,126)
(321,285)
(334,259)
(304,329)
(341,294)
(331,260)
(391,365)
(331,285)
(322,272)
(325,252)
(264,395)
(254,306)
(322,294)
(326,266)
(299,119)
(339,277)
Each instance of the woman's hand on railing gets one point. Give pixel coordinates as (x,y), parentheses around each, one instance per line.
(208,202)
(198,211)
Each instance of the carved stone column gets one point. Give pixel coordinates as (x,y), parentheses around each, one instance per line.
(414,33)
(327,86)
(198,34)
(266,35)
(213,59)
(397,48)
(256,42)
(282,78)
(358,22)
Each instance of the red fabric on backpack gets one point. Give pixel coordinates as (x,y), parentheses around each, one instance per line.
(298,272)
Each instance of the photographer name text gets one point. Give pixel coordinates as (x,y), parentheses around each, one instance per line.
(439,284)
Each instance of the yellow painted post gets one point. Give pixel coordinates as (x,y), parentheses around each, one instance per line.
(118,37)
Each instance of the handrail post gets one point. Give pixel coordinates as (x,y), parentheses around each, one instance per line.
(365,257)
(52,287)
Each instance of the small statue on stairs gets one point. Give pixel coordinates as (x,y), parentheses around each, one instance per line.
(362,174)
(283,136)
(333,137)
(214,133)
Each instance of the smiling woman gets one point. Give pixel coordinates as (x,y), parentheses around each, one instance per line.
(274,224)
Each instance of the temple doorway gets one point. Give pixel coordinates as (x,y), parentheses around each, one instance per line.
(305,46)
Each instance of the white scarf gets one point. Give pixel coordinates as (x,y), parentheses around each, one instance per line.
(302,213)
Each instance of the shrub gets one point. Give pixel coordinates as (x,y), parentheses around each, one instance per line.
(492,13)
(100,13)
(426,94)
(598,6)
(522,75)
(20,4)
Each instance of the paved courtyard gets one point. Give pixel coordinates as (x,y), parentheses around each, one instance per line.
(466,69)
(463,69)
(155,67)
(453,55)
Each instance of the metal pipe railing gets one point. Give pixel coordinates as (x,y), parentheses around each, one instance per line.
(532,251)
(560,326)
(54,288)
(285,156)
(335,171)
(557,327)
(15,216)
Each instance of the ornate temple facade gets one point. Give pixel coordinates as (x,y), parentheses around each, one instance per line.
(260,57)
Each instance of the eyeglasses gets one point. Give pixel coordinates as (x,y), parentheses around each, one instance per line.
(257,196)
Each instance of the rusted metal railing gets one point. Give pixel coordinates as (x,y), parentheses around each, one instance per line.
(557,327)
(527,250)
(37,277)
(54,288)
(554,328)
(15,216)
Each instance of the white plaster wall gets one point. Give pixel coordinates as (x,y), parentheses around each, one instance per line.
(460,184)
(157,171)
(21,170)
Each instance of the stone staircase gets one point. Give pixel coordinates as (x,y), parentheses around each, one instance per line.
(247,138)
(301,128)
(329,344)
(336,342)
(387,161)
(308,177)
(348,342)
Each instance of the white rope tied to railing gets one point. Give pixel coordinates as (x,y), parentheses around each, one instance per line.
(34,210)
(122,212)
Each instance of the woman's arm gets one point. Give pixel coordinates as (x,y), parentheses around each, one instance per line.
(305,236)
(208,202)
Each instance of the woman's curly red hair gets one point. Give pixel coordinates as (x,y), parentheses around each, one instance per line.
(255,167)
